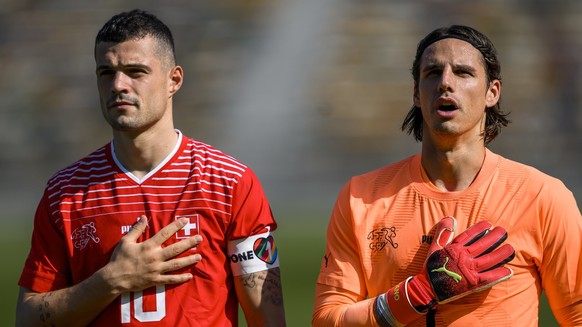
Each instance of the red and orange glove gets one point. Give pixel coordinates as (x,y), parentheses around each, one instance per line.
(472,262)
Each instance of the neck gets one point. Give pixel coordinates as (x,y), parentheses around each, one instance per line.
(141,153)
(452,168)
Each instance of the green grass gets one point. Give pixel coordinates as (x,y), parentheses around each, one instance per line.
(300,240)
(14,246)
(302,247)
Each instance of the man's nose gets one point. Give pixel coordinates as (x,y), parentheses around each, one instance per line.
(446,80)
(120,83)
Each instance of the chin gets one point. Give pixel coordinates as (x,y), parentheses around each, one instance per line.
(122,125)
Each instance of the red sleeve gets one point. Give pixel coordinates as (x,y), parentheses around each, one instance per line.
(251,213)
(47,266)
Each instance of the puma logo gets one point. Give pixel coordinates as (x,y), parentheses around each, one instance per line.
(326,257)
(456,277)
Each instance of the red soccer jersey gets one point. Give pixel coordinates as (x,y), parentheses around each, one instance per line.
(87,207)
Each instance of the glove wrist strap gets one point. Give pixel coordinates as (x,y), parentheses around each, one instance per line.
(382,313)
(399,306)
(420,294)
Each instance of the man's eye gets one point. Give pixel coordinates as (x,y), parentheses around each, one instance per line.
(136,72)
(105,72)
(463,73)
(434,72)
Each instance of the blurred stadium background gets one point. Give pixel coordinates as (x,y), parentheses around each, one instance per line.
(307,93)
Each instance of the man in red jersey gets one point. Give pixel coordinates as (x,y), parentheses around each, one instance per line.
(411,243)
(154,228)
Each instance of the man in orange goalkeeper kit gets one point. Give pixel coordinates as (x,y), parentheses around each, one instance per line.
(455,235)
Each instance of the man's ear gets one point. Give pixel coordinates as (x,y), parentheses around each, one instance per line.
(415,95)
(176,79)
(493,93)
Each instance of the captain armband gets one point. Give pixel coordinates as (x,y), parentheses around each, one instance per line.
(252,254)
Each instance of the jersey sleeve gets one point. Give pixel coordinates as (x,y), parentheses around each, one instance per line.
(46,267)
(561,266)
(341,267)
(251,211)
(251,245)
(340,291)
(338,307)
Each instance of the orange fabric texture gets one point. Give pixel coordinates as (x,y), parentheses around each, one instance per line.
(380,232)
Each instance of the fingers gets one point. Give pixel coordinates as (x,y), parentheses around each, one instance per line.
(162,236)
(482,243)
(179,263)
(170,268)
(488,242)
(444,231)
(178,248)
(473,233)
(135,266)
(137,229)
(495,259)
(495,276)
(165,233)
(174,279)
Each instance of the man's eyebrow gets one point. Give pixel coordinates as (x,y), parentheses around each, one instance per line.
(435,65)
(125,66)
(432,66)
(468,68)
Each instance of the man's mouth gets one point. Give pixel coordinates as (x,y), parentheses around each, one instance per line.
(446,105)
(119,104)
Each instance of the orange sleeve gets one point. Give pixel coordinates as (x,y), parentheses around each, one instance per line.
(561,267)
(340,308)
(340,293)
(342,266)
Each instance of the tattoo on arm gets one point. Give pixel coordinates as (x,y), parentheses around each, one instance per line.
(272,288)
(250,280)
(44,310)
(271,280)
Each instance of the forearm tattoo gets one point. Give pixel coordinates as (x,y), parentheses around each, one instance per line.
(271,284)
(44,310)
(250,279)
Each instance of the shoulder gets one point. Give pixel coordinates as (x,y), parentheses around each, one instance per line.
(513,172)
(96,163)
(210,160)
(385,174)
(379,182)
(205,152)
(79,176)
(527,182)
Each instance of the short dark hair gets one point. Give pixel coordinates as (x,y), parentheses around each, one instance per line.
(134,25)
(495,118)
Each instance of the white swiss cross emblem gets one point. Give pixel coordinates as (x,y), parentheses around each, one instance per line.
(190,229)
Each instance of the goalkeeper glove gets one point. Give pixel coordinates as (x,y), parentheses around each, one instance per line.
(470,263)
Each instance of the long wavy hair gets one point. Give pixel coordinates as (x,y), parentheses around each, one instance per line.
(495,117)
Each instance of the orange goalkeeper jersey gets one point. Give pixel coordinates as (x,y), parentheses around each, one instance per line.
(379,233)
